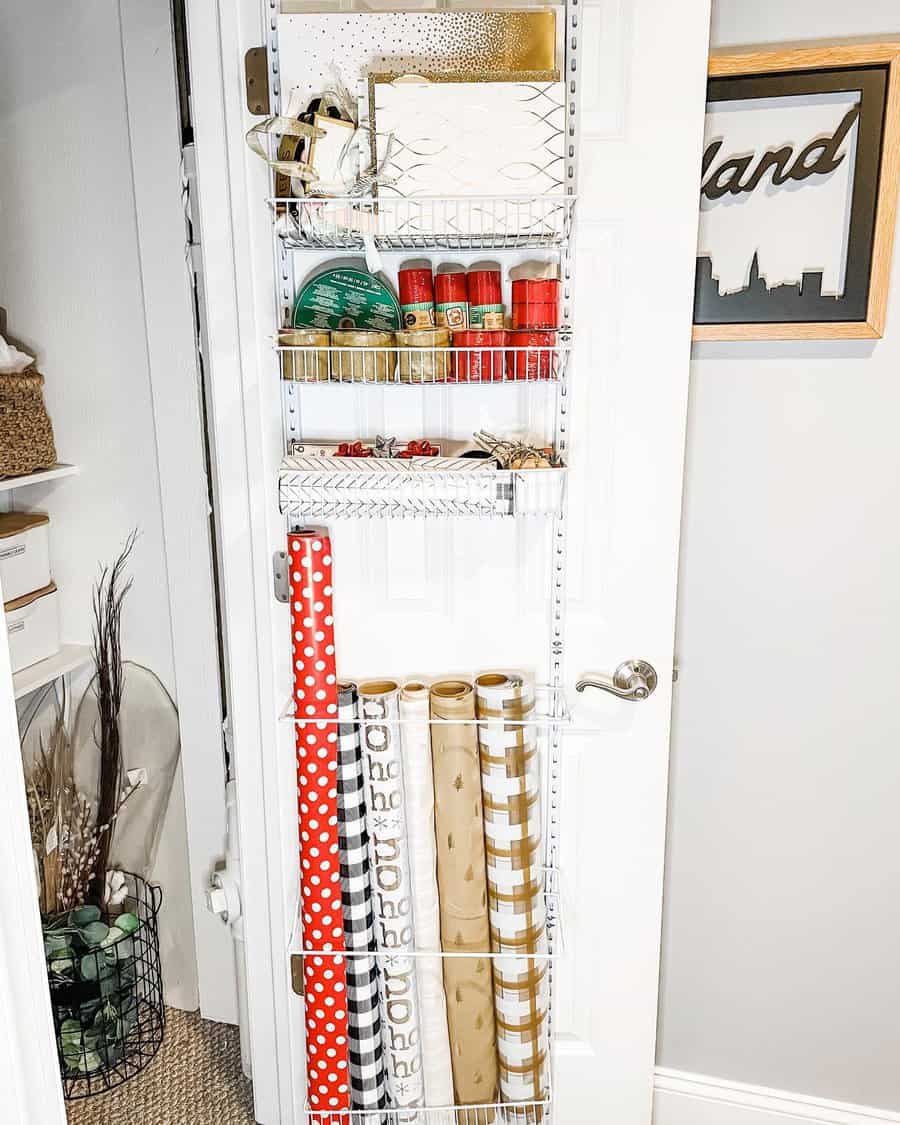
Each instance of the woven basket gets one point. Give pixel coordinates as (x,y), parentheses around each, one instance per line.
(26,436)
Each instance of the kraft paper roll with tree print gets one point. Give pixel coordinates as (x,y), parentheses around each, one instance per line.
(379,712)
(459,832)
(368,1089)
(316,701)
(511,791)
(418,785)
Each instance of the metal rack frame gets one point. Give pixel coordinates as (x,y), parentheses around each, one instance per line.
(557,233)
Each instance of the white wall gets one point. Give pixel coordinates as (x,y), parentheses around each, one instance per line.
(782,910)
(70,279)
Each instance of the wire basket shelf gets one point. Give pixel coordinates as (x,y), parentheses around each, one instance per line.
(489,1113)
(438,223)
(427,366)
(553,948)
(381,488)
(551,710)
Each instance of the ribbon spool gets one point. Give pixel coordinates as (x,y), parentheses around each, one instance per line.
(485,294)
(535,303)
(416,296)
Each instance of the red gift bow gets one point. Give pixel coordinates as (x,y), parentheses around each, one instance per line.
(421,448)
(353,449)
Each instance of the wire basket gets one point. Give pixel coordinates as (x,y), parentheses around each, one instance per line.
(425,222)
(106,990)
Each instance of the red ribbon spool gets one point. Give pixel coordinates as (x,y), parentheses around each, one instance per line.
(416,286)
(479,366)
(535,303)
(537,361)
(450,287)
(484,288)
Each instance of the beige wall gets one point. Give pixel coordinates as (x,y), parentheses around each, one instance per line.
(782,909)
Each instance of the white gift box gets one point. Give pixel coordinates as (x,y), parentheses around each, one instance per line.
(32,627)
(24,553)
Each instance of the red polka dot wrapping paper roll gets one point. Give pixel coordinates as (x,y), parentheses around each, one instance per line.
(316,709)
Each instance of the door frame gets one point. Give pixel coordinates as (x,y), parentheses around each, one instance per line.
(148,61)
(234,232)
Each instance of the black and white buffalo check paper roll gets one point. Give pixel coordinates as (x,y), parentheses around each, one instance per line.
(368,1090)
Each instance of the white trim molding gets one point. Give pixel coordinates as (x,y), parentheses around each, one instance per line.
(696,1099)
(152,101)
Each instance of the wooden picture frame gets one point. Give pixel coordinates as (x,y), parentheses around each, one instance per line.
(810,61)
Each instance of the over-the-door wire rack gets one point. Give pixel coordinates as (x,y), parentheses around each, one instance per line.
(463,224)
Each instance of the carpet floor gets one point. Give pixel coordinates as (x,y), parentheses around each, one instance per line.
(195,1079)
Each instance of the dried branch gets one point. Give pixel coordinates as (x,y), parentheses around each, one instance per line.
(109,596)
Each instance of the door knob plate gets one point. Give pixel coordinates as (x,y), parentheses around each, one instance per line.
(633,680)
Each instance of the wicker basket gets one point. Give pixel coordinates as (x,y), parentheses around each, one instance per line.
(26,435)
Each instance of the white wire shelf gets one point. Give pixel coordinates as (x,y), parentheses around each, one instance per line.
(440,223)
(381,488)
(555,945)
(551,710)
(553,926)
(428,366)
(489,1113)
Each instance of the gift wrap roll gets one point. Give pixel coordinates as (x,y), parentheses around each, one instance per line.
(511,790)
(367,1078)
(379,712)
(316,702)
(418,786)
(459,832)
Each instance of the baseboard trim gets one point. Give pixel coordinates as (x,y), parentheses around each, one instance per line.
(696,1099)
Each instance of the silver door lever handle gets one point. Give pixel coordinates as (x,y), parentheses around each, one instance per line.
(634,680)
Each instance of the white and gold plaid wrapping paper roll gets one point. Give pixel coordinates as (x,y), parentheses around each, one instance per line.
(511,788)
(418,785)
(379,712)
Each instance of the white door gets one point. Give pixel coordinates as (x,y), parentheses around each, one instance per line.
(643,69)
(455,597)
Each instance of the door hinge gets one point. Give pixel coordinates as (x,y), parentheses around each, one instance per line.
(256,81)
(281,576)
(297,973)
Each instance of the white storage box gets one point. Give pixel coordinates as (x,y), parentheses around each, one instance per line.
(32,627)
(24,553)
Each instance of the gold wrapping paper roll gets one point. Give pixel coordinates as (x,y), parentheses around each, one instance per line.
(462,882)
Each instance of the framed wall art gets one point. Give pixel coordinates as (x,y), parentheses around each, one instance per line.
(798,194)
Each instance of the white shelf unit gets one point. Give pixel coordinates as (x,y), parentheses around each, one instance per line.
(40,476)
(69,659)
(393,224)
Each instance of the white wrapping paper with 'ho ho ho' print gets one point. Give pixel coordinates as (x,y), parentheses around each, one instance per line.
(379,712)
(418,784)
